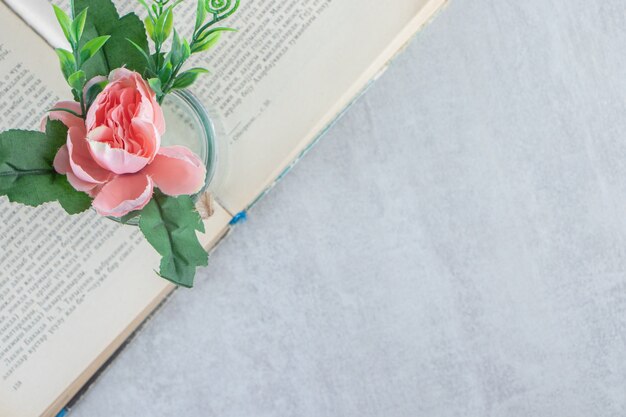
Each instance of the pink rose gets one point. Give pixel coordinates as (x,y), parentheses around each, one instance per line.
(115,153)
(125,124)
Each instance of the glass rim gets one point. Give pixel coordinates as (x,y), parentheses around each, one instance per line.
(208,130)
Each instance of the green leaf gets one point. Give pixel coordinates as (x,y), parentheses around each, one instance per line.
(77,80)
(163,26)
(78,25)
(158,57)
(143,53)
(98,64)
(92,47)
(166,72)
(200,14)
(103,20)
(26,172)
(213,31)
(209,39)
(168,24)
(117,51)
(176,54)
(68,63)
(65,22)
(150,27)
(170,224)
(130,216)
(186,50)
(156,86)
(93,91)
(187,78)
(208,43)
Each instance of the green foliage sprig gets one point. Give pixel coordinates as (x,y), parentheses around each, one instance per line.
(164,69)
(72,62)
(99,38)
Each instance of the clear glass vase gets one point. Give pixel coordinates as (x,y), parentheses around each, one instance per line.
(188,124)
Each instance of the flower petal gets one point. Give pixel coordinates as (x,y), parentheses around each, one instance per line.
(117,160)
(123,194)
(149,108)
(120,74)
(64,117)
(82,163)
(147,137)
(176,170)
(80,185)
(63,166)
(95,80)
(62,161)
(94,191)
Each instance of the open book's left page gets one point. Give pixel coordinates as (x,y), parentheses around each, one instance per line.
(71,287)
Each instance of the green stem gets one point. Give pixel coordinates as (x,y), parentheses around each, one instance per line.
(217,18)
(73,113)
(20,172)
(170,82)
(77,66)
(203,28)
(157,48)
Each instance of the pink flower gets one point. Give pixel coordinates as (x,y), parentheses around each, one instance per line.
(115,153)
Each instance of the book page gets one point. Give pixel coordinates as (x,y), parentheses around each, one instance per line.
(69,285)
(287,74)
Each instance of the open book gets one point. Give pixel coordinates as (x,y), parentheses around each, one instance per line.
(71,289)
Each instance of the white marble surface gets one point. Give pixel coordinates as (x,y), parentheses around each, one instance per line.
(456,245)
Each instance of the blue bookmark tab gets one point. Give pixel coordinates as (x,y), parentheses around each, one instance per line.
(239,217)
(63,413)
